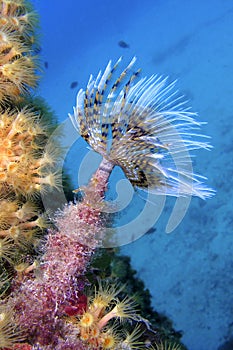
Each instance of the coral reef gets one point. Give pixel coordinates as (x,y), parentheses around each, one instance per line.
(26,169)
(44,302)
(17,59)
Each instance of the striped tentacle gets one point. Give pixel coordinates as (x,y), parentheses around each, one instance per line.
(145,127)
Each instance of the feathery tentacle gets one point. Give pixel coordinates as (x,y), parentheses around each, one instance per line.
(146,128)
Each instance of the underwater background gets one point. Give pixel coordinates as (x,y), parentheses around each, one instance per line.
(189,271)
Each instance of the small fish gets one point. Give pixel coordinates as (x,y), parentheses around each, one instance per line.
(123,44)
(151,231)
(46,64)
(145,127)
(74,84)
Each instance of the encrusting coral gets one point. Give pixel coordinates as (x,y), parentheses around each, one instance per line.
(134,126)
(25,168)
(17,61)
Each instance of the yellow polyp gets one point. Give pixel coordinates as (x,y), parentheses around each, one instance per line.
(20,72)
(32,267)
(27,211)
(86,320)
(41,222)
(7,70)
(125,308)
(3,21)
(34,187)
(94,331)
(14,232)
(98,306)
(25,268)
(3,176)
(20,268)
(9,153)
(2,317)
(6,143)
(84,335)
(108,341)
(52,180)
(12,167)
(22,238)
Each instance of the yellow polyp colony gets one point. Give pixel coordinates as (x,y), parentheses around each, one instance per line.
(87,320)
(20,168)
(20,223)
(99,325)
(26,169)
(17,63)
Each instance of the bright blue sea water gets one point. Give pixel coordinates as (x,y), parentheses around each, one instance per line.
(188,272)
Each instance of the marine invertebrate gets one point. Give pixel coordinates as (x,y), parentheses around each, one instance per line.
(94,323)
(136,130)
(10,333)
(26,167)
(22,163)
(23,167)
(61,278)
(42,300)
(7,250)
(17,62)
(21,223)
(25,171)
(145,128)
(137,126)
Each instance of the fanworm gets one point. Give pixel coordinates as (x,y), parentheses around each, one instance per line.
(144,126)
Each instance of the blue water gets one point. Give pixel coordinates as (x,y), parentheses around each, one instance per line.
(188,272)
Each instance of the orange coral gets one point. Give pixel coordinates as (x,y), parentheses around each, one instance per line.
(94,326)
(21,169)
(17,63)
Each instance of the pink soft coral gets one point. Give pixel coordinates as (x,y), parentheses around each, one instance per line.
(41,301)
